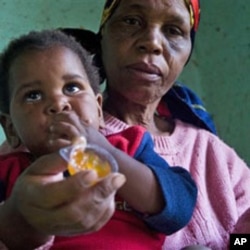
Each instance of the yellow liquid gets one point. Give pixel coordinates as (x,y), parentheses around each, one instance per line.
(88,161)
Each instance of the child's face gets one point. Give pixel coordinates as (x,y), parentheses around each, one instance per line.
(50,87)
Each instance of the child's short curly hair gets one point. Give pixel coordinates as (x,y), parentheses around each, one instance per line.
(40,40)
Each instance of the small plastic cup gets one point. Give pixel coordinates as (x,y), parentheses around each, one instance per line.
(82,156)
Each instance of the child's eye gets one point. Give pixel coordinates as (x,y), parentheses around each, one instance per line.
(33,96)
(71,88)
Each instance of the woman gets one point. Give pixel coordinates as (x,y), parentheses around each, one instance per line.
(144,47)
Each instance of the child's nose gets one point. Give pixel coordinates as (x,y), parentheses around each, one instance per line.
(58,105)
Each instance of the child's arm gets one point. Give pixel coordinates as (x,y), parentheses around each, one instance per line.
(175,184)
(151,187)
(137,173)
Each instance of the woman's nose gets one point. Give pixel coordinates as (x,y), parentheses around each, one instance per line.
(151,41)
(57,105)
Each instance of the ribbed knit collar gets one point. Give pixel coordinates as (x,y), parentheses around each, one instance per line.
(164,145)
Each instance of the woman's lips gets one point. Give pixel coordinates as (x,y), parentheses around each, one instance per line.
(144,71)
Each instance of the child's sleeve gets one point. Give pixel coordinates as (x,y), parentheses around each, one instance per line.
(178,188)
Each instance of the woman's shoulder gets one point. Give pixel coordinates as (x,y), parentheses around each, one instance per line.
(199,135)
(184,135)
(214,147)
(188,137)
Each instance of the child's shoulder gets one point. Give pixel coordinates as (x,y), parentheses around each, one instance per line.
(11,166)
(130,139)
(14,160)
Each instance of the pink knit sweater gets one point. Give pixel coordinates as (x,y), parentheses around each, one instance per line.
(223,181)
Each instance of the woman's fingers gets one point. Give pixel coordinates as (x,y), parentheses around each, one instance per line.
(65,206)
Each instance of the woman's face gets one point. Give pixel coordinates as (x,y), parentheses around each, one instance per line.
(145,45)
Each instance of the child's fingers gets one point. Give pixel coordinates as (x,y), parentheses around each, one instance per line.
(64,130)
(62,135)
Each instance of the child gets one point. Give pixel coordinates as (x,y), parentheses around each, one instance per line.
(50,95)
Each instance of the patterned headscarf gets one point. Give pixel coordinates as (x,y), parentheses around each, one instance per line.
(192,5)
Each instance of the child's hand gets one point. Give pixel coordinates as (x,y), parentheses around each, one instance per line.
(67,126)
(44,203)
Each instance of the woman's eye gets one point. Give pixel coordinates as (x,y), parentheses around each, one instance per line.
(131,21)
(173,31)
(71,88)
(33,96)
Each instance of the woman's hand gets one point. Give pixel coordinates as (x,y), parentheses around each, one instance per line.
(44,203)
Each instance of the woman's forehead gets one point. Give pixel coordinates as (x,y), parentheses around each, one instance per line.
(192,6)
(157,7)
(164,5)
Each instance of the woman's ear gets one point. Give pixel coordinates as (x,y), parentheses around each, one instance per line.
(9,131)
(99,100)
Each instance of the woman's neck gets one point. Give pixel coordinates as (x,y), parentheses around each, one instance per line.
(136,114)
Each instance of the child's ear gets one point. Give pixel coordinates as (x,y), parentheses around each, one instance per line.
(99,100)
(9,130)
